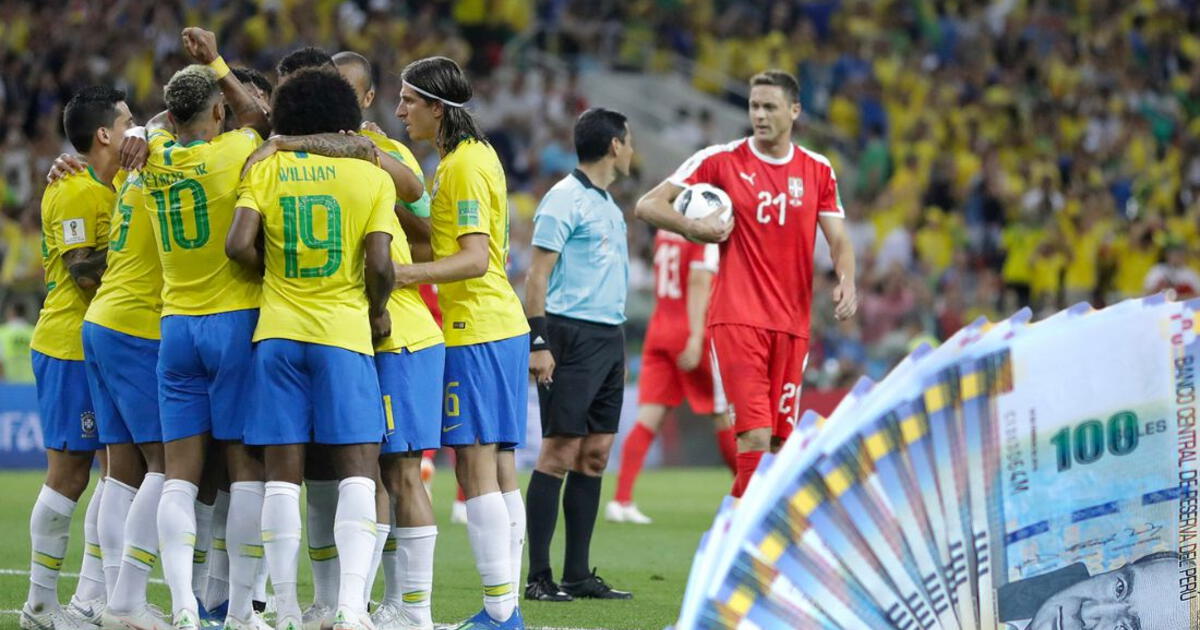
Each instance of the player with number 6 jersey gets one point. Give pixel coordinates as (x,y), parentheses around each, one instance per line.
(759,318)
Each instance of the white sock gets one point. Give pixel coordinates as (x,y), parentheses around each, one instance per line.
(177,527)
(516,535)
(260,582)
(488,528)
(91,573)
(354,532)
(322,500)
(204,521)
(49,529)
(141,546)
(381,538)
(110,527)
(216,590)
(243,538)
(414,566)
(281,542)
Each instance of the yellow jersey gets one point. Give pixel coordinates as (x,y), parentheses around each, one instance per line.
(396,149)
(75,214)
(413,326)
(316,211)
(470,196)
(190,192)
(130,298)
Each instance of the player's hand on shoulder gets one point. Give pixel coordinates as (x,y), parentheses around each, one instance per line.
(66,164)
(264,151)
(201,45)
(689,359)
(710,229)
(368,125)
(845,299)
(133,152)
(541,366)
(381,326)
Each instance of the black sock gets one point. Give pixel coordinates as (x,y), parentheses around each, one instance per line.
(541,517)
(581,502)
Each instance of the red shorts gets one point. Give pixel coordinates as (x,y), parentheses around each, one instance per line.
(663,383)
(762,372)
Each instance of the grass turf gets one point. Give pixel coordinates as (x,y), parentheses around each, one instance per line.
(652,561)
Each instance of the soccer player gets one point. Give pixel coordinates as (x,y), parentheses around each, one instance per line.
(75,222)
(327,225)
(675,362)
(210,308)
(577,352)
(759,318)
(487,345)
(410,364)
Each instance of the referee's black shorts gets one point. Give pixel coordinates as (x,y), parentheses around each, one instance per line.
(589,378)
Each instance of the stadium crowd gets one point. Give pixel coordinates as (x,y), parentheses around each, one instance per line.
(1018,152)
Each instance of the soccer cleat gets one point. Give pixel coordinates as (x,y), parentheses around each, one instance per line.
(86,610)
(593,587)
(57,619)
(185,619)
(543,589)
(233,623)
(317,617)
(290,622)
(483,621)
(147,618)
(390,616)
(346,619)
(617,512)
(214,617)
(458,513)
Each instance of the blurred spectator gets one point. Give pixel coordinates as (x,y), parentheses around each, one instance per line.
(16,363)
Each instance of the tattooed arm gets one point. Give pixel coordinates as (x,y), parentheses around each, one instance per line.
(86,265)
(327,144)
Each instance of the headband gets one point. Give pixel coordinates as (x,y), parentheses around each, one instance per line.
(434,96)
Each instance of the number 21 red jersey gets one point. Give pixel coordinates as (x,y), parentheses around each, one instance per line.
(767,263)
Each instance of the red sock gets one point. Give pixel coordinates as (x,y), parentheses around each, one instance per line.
(746,464)
(461,496)
(727,443)
(633,454)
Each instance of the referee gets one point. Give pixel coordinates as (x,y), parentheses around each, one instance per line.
(575,301)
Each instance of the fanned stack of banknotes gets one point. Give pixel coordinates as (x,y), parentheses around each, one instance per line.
(1020,476)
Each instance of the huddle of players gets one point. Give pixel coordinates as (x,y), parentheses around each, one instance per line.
(221,293)
(312,243)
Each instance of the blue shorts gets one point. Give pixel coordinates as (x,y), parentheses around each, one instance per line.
(124,386)
(68,418)
(309,392)
(204,372)
(411,383)
(486,393)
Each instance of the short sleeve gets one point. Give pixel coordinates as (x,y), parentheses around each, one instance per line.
(697,169)
(470,200)
(383,214)
(554,220)
(829,204)
(419,207)
(705,257)
(83,221)
(245,191)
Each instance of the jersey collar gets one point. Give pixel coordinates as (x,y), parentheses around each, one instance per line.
(768,159)
(587,183)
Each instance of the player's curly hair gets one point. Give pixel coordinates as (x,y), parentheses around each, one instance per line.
(299,59)
(190,91)
(90,109)
(315,101)
(443,77)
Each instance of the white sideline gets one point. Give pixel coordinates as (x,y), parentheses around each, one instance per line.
(25,572)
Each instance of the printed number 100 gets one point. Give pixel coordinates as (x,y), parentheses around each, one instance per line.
(1087,442)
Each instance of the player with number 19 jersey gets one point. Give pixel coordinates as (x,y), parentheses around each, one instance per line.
(662,381)
(210,303)
(760,309)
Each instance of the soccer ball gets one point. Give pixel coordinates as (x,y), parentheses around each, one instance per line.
(700,200)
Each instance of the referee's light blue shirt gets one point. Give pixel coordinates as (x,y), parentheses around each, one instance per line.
(584,225)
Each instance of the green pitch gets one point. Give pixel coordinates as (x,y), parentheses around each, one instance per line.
(650,560)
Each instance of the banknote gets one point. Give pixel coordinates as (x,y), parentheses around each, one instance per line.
(1092,514)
